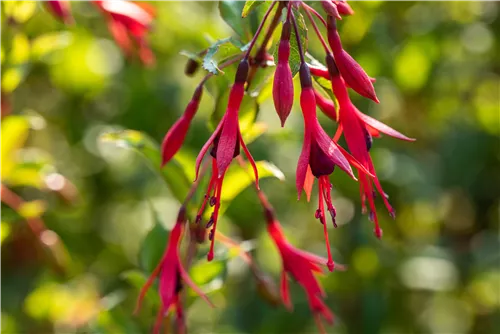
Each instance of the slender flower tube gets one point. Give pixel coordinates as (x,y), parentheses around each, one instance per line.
(129,22)
(351,71)
(225,145)
(61,10)
(175,136)
(172,277)
(358,129)
(283,80)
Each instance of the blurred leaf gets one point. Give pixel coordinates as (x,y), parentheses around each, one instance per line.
(230,12)
(203,272)
(19,11)
(4,231)
(153,245)
(33,209)
(237,179)
(15,130)
(253,132)
(137,279)
(20,52)
(250,5)
(46,45)
(172,173)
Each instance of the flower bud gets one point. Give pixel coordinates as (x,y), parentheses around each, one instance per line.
(344,8)
(353,74)
(283,80)
(192,66)
(175,136)
(331,8)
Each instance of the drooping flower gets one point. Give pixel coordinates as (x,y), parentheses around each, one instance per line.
(351,71)
(358,129)
(225,145)
(283,80)
(61,10)
(319,156)
(172,277)
(175,136)
(129,22)
(302,267)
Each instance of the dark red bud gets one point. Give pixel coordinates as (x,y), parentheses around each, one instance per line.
(242,72)
(344,8)
(354,76)
(175,136)
(305,76)
(192,66)
(331,9)
(283,83)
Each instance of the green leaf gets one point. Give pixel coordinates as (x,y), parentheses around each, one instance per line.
(46,45)
(153,245)
(294,59)
(137,279)
(250,5)
(15,130)
(237,179)
(223,49)
(230,12)
(19,11)
(173,172)
(203,272)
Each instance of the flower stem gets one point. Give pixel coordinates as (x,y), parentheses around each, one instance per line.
(259,29)
(322,40)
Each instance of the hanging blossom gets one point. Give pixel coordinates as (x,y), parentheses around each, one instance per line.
(61,10)
(172,276)
(129,22)
(299,265)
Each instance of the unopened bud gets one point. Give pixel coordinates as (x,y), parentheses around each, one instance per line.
(283,80)
(344,8)
(192,66)
(331,9)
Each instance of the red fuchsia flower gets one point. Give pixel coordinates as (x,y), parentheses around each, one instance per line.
(302,267)
(325,105)
(319,155)
(61,10)
(175,136)
(351,71)
(225,145)
(344,8)
(172,277)
(129,22)
(283,80)
(358,129)
(331,8)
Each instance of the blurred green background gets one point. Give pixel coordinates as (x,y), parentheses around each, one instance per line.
(436,270)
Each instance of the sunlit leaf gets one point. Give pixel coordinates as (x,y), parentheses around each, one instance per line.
(19,11)
(237,179)
(250,5)
(172,173)
(153,245)
(230,12)
(223,48)
(204,272)
(46,45)
(4,231)
(33,209)
(15,131)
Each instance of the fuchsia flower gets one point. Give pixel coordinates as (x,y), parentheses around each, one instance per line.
(175,136)
(351,71)
(283,80)
(358,129)
(225,145)
(319,155)
(172,277)
(129,22)
(301,266)
(61,10)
